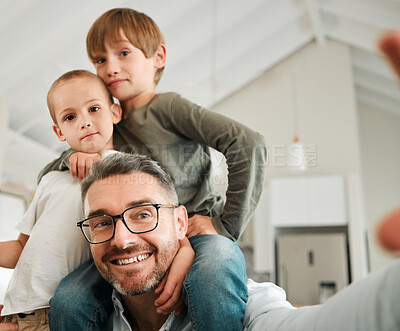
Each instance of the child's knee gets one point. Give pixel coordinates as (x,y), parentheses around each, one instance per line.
(218,260)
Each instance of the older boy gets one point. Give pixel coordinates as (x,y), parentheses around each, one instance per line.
(128,51)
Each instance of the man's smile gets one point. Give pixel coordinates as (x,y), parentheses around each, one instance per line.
(134,259)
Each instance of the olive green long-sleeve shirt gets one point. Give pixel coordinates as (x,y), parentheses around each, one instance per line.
(178,133)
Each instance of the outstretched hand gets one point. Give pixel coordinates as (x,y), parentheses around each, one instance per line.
(7,326)
(389,44)
(388,230)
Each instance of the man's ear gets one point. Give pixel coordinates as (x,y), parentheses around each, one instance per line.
(58,132)
(182,221)
(116,112)
(160,56)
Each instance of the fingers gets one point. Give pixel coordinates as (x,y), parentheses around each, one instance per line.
(199,224)
(160,287)
(81,163)
(166,295)
(179,307)
(389,44)
(7,326)
(174,302)
(73,165)
(81,168)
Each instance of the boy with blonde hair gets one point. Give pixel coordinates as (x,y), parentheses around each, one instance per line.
(50,246)
(128,51)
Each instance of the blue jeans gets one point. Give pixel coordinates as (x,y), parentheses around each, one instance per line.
(215,288)
(215,291)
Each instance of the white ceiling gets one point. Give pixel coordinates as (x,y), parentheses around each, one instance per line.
(215,47)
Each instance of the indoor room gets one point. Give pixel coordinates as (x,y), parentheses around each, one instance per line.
(308,75)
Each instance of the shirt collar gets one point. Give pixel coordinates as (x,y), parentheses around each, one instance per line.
(172,323)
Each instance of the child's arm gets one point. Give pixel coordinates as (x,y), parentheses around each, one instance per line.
(77,162)
(80,164)
(171,286)
(199,224)
(245,153)
(11,250)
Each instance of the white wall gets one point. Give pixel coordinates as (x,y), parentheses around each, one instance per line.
(326,111)
(380,151)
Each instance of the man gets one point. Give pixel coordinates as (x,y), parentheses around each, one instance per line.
(138,244)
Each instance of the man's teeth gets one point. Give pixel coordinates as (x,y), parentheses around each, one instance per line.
(133,259)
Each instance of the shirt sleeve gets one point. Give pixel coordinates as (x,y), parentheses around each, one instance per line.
(60,164)
(245,153)
(30,217)
(369,304)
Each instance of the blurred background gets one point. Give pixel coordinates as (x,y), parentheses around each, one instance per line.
(304,73)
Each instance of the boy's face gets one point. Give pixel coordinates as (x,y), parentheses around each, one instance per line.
(84,115)
(128,74)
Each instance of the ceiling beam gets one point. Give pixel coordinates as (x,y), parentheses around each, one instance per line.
(316,23)
(377,101)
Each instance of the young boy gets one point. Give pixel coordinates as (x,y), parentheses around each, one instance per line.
(50,246)
(128,51)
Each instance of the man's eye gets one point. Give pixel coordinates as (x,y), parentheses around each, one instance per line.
(69,118)
(94,109)
(101,224)
(142,216)
(124,53)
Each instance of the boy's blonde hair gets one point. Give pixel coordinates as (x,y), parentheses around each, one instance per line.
(71,75)
(141,31)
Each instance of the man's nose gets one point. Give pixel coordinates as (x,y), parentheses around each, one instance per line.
(122,236)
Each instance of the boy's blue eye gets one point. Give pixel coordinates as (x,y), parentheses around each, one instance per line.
(100,61)
(124,53)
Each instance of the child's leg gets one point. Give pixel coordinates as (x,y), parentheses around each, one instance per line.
(82,301)
(215,288)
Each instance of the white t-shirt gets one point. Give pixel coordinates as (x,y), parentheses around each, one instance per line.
(55,247)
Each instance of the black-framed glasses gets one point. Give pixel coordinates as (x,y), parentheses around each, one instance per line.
(139,219)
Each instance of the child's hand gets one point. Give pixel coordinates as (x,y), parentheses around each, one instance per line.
(199,224)
(171,298)
(7,326)
(80,164)
(171,286)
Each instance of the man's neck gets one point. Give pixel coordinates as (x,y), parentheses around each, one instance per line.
(141,312)
(131,105)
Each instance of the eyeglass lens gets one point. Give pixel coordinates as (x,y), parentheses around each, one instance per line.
(138,219)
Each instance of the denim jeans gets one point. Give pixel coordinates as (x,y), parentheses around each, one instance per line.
(82,301)
(215,291)
(215,288)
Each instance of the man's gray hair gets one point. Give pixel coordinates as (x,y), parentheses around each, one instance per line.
(124,164)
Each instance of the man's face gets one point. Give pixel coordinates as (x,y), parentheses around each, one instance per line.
(135,263)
